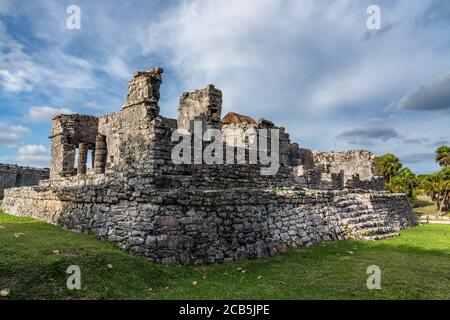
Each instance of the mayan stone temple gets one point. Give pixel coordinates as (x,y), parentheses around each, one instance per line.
(132,193)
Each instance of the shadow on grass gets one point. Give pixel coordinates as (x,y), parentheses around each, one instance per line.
(333,270)
(423,203)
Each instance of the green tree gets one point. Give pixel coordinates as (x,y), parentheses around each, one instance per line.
(443,156)
(437,186)
(387,166)
(444,189)
(404,182)
(424,183)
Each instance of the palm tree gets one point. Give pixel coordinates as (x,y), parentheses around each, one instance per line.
(405,182)
(444,189)
(438,188)
(443,156)
(387,166)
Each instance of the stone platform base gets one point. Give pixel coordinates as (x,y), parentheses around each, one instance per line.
(203,226)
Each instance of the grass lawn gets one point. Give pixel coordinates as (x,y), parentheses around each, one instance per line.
(414,266)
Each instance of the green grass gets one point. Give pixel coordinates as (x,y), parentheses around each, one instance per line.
(414,266)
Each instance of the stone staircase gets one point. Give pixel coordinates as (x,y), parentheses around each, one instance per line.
(361,222)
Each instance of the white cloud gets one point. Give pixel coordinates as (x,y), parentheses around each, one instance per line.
(118,67)
(45,113)
(9,139)
(18,72)
(14,82)
(10,135)
(267,54)
(33,155)
(32,149)
(16,128)
(50,70)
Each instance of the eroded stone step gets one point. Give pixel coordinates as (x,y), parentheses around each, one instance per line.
(357,207)
(375,231)
(361,218)
(384,236)
(368,224)
(347,202)
(355,214)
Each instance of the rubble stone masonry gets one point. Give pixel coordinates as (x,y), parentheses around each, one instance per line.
(171,213)
(16,176)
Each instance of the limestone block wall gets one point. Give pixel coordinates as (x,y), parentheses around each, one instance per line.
(182,226)
(135,138)
(354,182)
(200,213)
(77,128)
(139,142)
(202,105)
(355,162)
(144,88)
(15,176)
(68,132)
(8,178)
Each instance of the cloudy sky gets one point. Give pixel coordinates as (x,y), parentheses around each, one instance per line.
(311,66)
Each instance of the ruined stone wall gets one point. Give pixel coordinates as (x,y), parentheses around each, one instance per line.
(202,105)
(185,226)
(143,89)
(307,158)
(139,142)
(136,196)
(135,138)
(15,176)
(245,134)
(355,162)
(68,132)
(354,182)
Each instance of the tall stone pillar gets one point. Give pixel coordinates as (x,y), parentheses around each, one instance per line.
(63,157)
(82,158)
(143,90)
(100,154)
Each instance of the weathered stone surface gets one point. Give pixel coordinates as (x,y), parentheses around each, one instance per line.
(355,162)
(68,132)
(201,105)
(16,176)
(144,88)
(196,213)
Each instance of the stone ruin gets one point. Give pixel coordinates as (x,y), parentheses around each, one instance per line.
(17,176)
(131,192)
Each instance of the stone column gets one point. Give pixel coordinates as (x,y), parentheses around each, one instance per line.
(100,154)
(63,157)
(82,158)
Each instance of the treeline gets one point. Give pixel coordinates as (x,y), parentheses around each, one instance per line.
(403,180)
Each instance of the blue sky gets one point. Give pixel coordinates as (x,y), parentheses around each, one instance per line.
(311,66)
